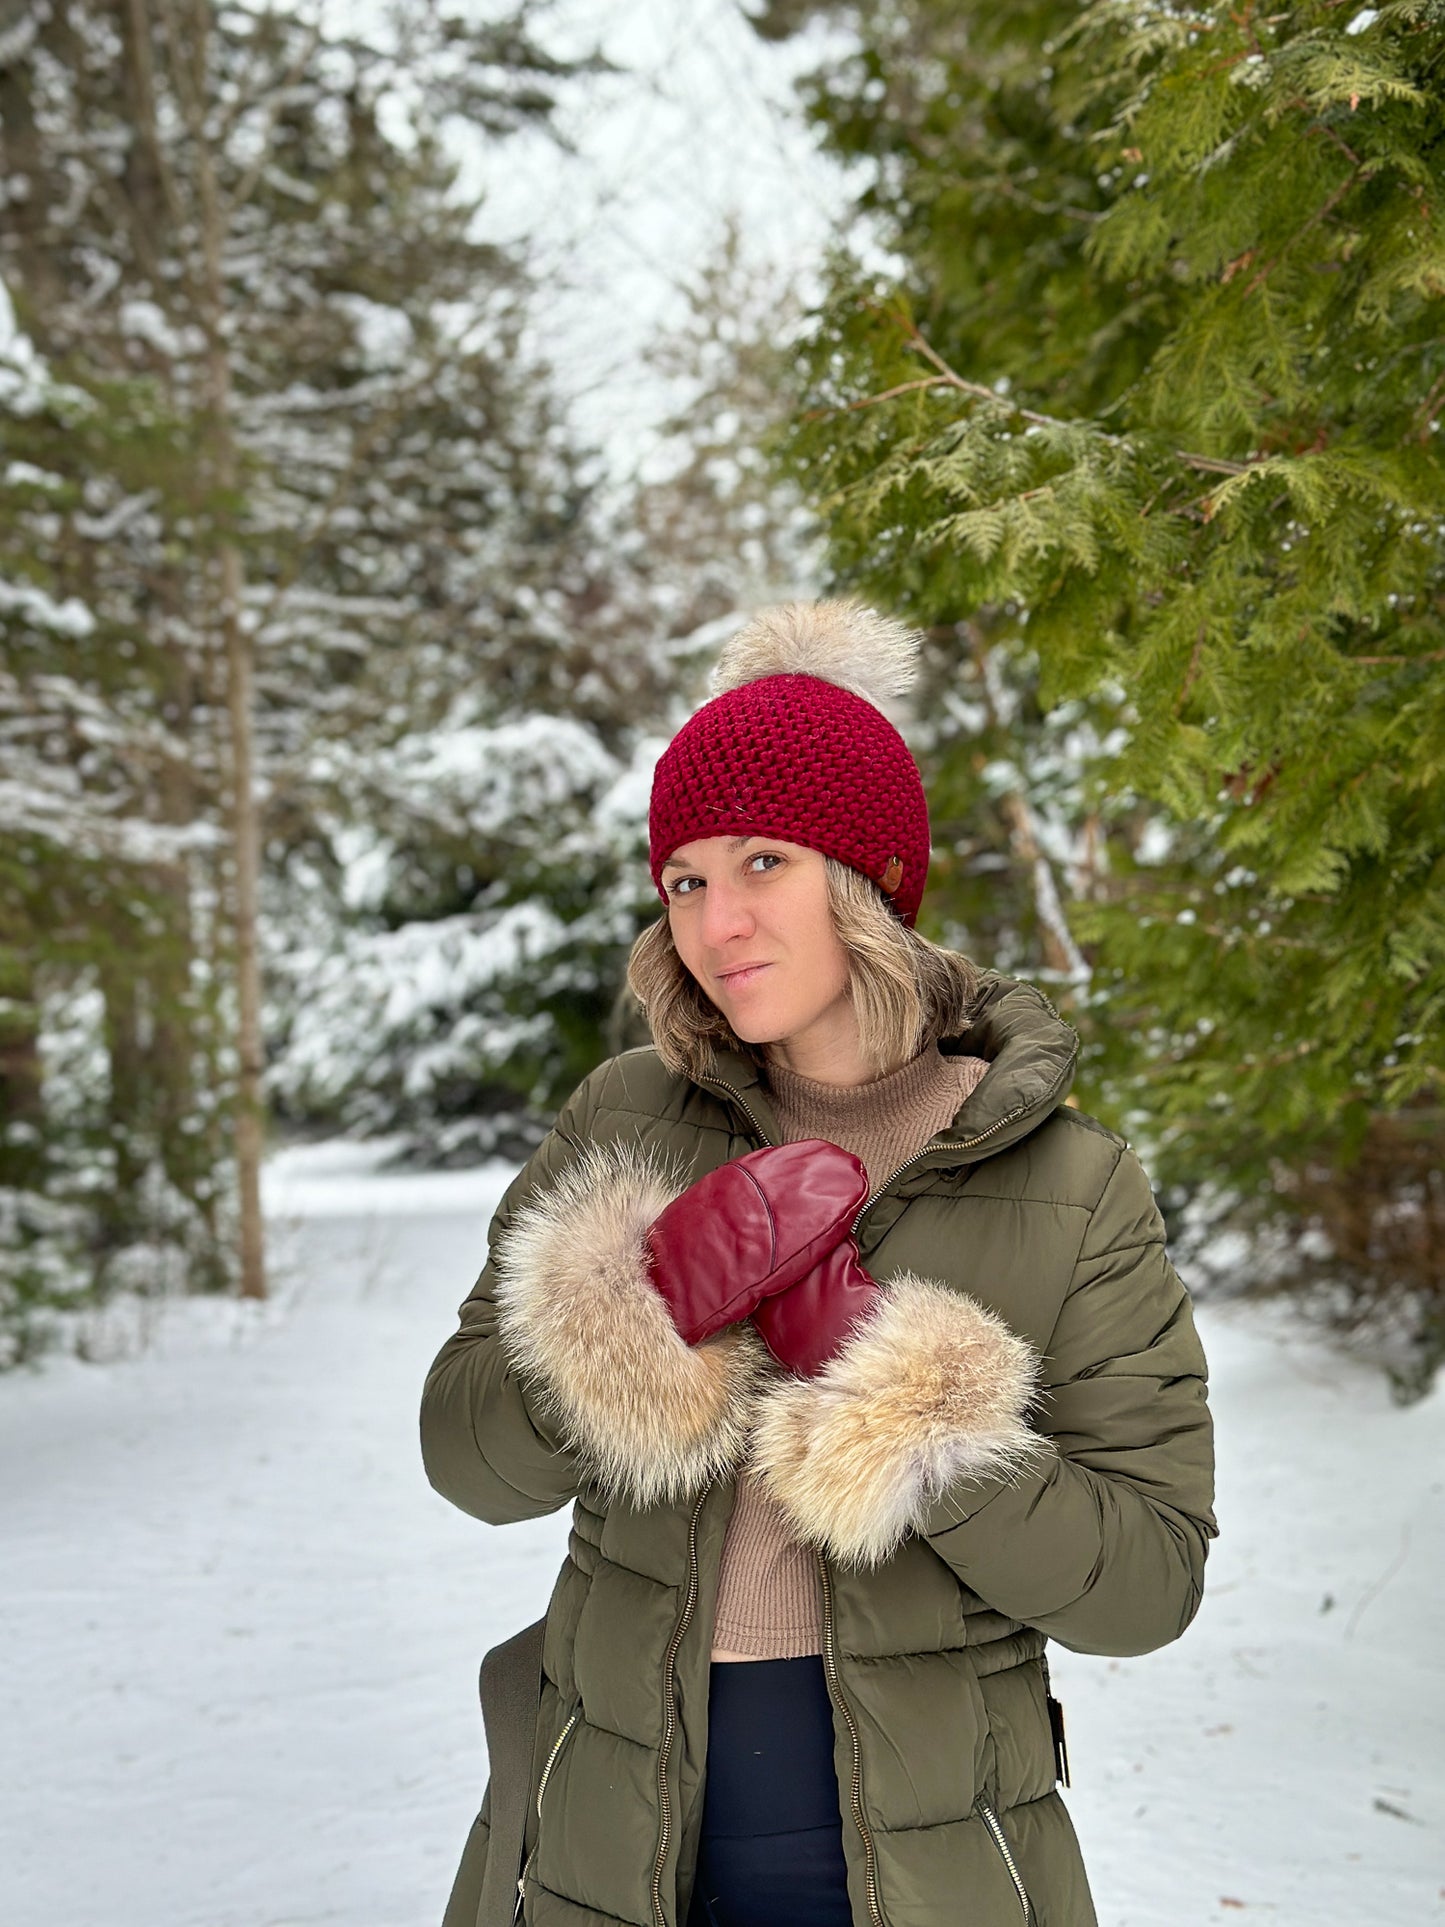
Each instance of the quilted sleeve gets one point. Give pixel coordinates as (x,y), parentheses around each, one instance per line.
(1103,1545)
(485,1440)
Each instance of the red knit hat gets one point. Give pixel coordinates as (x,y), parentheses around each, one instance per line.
(793,745)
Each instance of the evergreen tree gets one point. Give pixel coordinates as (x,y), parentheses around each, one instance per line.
(453,649)
(1153,406)
(107,1169)
(317,501)
(479,969)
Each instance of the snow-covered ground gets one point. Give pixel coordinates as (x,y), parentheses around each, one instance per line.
(242,1632)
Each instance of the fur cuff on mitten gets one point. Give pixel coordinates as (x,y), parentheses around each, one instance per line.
(930,1388)
(651,1417)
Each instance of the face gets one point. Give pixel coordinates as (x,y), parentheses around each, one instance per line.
(751,922)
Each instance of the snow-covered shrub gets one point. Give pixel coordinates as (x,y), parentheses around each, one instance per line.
(460,1028)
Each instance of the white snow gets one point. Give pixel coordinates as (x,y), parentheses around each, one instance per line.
(24,378)
(243,1632)
(533,765)
(68,618)
(412,982)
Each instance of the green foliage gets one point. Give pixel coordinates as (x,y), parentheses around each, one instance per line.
(1150,411)
(1162,378)
(240,229)
(109,1164)
(459,646)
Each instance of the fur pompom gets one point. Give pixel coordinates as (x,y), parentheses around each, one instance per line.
(651,1417)
(841,641)
(931,1387)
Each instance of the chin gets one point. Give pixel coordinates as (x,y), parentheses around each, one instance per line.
(756,1027)
(756,1031)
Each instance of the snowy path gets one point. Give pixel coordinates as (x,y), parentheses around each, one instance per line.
(243,1631)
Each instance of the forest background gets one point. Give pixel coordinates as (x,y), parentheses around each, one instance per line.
(335,653)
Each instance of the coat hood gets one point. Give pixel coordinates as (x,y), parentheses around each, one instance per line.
(1031,1053)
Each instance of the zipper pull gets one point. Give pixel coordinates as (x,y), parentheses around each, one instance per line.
(1061,1749)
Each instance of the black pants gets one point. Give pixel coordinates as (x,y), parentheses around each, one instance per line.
(771,1853)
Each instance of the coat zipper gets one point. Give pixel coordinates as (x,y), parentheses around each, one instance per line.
(669,1717)
(764,1141)
(868,1203)
(830,1658)
(855,1789)
(1056,1726)
(557,1746)
(995,1827)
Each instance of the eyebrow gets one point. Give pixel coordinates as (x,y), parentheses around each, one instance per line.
(734,843)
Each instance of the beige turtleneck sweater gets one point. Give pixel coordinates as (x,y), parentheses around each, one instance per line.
(768,1604)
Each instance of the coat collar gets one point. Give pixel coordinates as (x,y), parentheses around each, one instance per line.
(1031,1052)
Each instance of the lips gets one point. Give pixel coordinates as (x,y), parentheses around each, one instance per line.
(741,974)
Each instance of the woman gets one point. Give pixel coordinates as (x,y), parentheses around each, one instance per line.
(857,1350)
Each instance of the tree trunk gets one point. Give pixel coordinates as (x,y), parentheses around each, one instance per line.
(245,910)
(236,648)
(1061,954)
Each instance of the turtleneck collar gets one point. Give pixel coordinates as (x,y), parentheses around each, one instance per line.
(914,1086)
(885,1121)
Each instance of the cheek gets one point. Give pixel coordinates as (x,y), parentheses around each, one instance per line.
(826,967)
(682,942)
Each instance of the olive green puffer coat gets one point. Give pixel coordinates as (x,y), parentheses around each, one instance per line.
(1014,1447)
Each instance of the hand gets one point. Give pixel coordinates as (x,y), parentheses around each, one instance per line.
(754,1226)
(809,1323)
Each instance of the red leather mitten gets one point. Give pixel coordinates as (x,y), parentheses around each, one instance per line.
(808,1324)
(754,1226)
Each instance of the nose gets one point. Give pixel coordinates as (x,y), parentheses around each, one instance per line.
(725,915)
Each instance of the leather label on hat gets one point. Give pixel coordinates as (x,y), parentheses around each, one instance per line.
(892,875)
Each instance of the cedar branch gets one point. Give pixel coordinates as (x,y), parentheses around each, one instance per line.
(947,377)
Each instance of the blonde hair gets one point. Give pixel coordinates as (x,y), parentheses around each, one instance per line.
(906,992)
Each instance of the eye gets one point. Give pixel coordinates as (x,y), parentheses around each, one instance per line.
(768,859)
